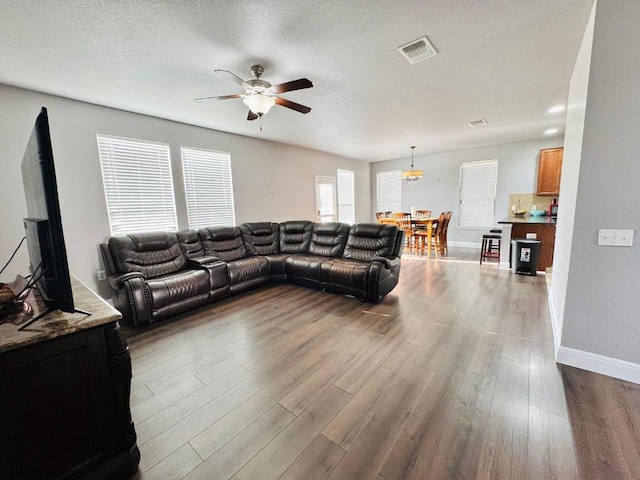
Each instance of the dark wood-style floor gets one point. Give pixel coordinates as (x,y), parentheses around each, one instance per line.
(451,376)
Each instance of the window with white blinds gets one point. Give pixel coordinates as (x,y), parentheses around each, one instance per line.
(346,197)
(389,191)
(137,183)
(478,194)
(208,186)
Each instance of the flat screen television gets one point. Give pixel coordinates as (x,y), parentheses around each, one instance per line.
(43,226)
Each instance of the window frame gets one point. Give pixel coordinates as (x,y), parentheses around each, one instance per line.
(348,216)
(483,194)
(122,161)
(390,205)
(220,168)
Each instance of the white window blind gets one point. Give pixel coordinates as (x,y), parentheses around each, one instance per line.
(389,191)
(137,183)
(346,194)
(478,194)
(208,186)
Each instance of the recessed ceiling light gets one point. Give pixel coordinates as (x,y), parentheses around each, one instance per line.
(551,131)
(556,109)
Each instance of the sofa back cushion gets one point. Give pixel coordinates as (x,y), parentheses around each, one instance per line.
(295,236)
(328,239)
(260,238)
(368,240)
(190,243)
(152,254)
(226,243)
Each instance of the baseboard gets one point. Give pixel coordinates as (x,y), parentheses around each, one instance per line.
(464,244)
(554,322)
(599,364)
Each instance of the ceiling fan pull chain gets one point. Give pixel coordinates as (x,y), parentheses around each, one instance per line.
(260,122)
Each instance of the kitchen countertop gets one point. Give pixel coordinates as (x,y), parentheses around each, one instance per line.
(530,219)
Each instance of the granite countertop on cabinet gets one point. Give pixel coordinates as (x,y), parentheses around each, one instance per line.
(56,323)
(529,219)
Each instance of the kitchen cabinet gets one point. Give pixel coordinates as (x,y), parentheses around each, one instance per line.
(546,233)
(549,169)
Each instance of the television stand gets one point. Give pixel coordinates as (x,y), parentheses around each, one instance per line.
(64,394)
(47,312)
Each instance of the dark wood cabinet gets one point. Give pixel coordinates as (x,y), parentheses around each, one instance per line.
(549,170)
(64,400)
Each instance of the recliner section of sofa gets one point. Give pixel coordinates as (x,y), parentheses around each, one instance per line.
(227,244)
(156,275)
(152,280)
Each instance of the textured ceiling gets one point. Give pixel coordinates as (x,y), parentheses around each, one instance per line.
(507,61)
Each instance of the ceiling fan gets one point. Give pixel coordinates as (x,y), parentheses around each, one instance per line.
(259,95)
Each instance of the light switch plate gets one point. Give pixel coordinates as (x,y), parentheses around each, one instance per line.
(615,238)
(532,236)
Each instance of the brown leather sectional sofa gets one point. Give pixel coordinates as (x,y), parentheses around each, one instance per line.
(158,274)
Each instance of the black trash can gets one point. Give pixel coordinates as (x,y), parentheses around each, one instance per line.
(524,255)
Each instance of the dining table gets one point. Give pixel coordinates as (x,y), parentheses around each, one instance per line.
(419,222)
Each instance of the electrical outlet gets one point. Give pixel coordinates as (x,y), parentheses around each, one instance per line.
(102,275)
(615,238)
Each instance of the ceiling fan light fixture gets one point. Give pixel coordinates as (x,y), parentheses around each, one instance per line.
(259,103)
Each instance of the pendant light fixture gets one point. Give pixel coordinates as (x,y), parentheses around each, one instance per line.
(412,175)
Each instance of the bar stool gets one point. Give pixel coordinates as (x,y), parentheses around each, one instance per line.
(490,245)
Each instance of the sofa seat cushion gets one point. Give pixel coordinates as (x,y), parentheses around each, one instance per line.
(277,269)
(249,268)
(305,266)
(177,287)
(351,274)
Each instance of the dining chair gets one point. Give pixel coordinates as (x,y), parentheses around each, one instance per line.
(403,222)
(444,248)
(430,237)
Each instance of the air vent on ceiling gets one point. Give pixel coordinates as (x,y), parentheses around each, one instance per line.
(478,123)
(418,50)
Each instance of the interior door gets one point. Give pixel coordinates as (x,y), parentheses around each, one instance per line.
(326,204)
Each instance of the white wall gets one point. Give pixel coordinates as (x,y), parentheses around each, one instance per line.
(576,105)
(602,297)
(272,181)
(438,189)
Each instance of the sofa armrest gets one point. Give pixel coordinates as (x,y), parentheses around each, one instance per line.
(197,262)
(132,297)
(390,263)
(116,281)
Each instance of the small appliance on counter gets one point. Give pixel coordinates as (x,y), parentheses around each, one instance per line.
(553,208)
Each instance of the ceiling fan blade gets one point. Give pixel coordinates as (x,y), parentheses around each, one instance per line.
(292,105)
(223,97)
(292,85)
(251,116)
(235,78)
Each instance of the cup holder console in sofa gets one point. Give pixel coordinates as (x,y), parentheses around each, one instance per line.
(158,274)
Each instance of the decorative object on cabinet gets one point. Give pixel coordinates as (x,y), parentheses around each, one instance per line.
(549,170)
